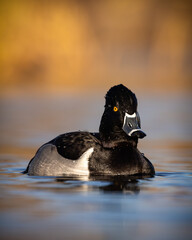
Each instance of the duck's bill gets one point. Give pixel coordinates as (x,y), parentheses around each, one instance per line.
(132,125)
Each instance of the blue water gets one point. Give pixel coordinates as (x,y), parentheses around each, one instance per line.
(95,208)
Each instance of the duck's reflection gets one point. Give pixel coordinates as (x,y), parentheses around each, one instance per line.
(128,185)
(125,187)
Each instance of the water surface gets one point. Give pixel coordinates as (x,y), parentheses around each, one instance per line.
(95,208)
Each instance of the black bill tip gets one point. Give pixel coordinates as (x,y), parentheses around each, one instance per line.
(138,134)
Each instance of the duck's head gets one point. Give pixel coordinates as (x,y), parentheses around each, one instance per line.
(120,121)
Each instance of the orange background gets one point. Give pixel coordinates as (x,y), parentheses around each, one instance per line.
(90,45)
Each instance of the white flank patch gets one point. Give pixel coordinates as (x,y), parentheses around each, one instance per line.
(86,155)
(83,162)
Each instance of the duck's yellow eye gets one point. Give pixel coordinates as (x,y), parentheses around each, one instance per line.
(115,109)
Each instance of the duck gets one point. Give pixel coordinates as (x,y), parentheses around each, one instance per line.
(111,152)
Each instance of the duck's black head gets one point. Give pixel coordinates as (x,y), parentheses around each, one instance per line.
(120,122)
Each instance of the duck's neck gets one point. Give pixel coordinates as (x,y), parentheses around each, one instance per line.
(112,135)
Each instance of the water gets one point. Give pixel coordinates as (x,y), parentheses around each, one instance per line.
(96,208)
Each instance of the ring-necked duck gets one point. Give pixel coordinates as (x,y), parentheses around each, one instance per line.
(112,151)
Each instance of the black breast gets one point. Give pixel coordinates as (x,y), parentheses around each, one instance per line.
(121,160)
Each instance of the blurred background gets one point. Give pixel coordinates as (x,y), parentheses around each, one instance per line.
(61,45)
(57,60)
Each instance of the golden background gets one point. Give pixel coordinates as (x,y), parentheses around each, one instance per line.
(91,45)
